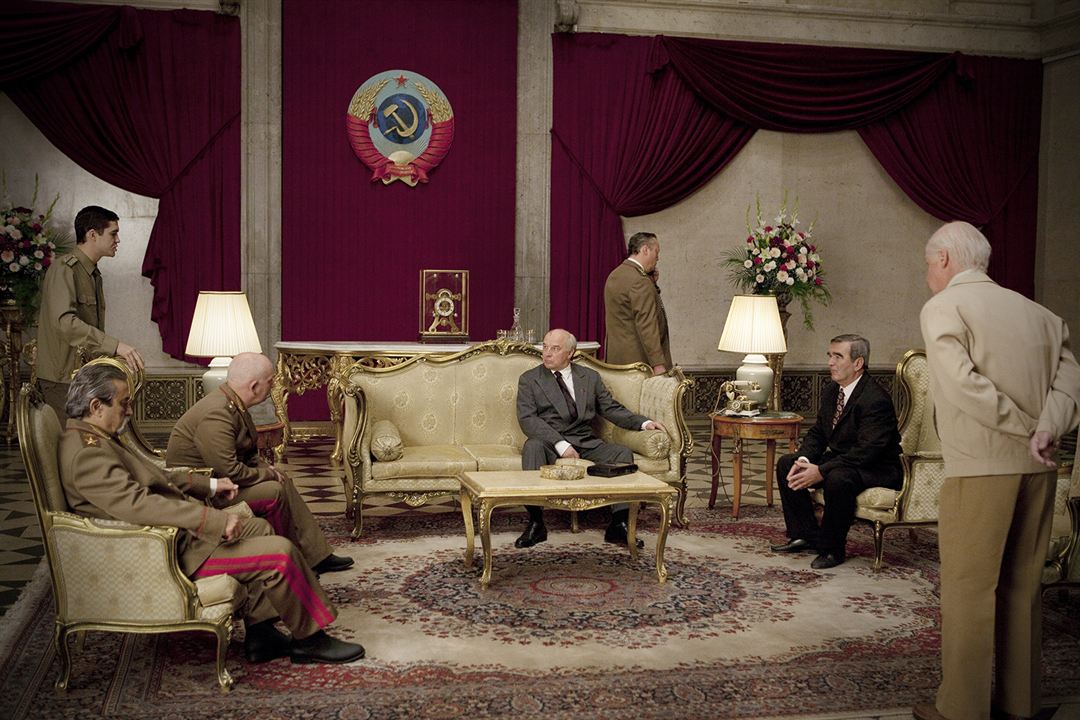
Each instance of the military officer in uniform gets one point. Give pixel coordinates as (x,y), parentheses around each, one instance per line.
(637,328)
(218,432)
(73,307)
(103,479)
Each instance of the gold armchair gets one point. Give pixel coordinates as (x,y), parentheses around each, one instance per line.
(111,575)
(1063,555)
(916,502)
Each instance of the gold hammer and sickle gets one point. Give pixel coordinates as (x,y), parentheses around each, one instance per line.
(402,129)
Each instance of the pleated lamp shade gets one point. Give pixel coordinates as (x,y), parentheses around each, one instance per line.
(221,329)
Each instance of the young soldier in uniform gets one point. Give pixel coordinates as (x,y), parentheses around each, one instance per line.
(73,307)
(218,432)
(103,479)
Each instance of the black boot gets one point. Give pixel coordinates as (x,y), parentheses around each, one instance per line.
(619,529)
(263,642)
(321,648)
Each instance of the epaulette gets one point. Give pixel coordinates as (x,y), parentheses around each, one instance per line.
(70,260)
(90,439)
(231,407)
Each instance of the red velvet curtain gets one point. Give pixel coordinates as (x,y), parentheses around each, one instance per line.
(148,101)
(958,134)
(626,142)
(352,249)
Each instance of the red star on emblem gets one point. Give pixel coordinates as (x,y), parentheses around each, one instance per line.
(400,79)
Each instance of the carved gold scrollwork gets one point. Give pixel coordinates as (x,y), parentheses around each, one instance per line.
(418,499)
(578,503)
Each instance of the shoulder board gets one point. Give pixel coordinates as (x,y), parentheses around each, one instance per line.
(90,439)
(71,260)
(232,407)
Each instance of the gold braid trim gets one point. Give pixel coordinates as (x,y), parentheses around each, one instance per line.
(437,105)
(362,104)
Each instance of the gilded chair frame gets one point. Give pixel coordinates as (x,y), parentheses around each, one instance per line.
(55,524)
(355,494)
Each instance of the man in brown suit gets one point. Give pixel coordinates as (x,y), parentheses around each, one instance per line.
(218,432)
(637,329)
(73,307)
(1006,387)
(104,479)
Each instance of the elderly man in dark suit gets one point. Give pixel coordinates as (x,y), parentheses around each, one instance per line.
(853,445)
(556,404)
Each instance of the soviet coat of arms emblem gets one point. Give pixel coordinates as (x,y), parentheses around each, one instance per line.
(400,125)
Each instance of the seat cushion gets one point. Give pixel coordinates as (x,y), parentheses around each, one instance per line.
(877,498)
(495,457)
(426,461)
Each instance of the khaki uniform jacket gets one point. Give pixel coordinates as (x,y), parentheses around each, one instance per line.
(218,432)
(72,315)
(103,479)
(1000,370)
(637,329)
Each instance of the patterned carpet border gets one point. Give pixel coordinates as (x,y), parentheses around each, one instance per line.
(170,676)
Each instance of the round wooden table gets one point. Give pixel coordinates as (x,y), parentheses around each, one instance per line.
(769,427)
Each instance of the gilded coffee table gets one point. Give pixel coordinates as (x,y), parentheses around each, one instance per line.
(489,490)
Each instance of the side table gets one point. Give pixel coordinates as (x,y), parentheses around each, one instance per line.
(770,427)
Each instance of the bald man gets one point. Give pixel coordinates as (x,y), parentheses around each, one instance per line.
(218,432)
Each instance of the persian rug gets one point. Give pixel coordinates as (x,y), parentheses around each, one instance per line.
(570,628)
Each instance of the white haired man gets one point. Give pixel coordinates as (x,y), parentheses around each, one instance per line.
(1006,387)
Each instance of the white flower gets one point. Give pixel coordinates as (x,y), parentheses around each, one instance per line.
(13,232)
(769,266)
(775,252)
(816,258)
(755,251)
(13,267)
(52,245)
(7,256)
(759,278)
(23,260)
(38,254)
(748,264)
(782,276)
(803,250)
(37,266)
(790,281)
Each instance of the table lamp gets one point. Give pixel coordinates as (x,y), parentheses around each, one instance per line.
(753,327)
(221,328)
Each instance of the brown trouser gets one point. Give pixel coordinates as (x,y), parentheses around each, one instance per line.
(276,576)
(281,505)
(55,395)
(992,534)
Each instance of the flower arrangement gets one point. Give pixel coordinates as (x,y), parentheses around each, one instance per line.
(779,260)
(28,246)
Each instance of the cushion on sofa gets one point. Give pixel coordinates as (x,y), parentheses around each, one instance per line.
(495,457)
(425,461)
(651,466)
(386,441)
(650,443)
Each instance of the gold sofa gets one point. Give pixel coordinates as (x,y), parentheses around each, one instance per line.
(432,418)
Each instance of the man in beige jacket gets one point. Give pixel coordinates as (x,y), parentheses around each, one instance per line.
(1006,387)
(73,308)
(637,328)
(218,432)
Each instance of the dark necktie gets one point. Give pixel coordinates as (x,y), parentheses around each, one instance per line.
(570,402)
(839,407)
(99,299)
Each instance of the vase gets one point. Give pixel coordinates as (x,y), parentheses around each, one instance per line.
(776,360)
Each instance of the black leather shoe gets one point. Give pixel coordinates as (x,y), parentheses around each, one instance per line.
(793,546)
(263,642)
(333,563)
(824,561)
(616,533)
(535,532)
(321,648)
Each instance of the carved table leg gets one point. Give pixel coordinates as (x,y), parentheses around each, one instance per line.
(661,536)
(485,540)
(770,469)
(466,514)
(736,472)
(279,392)
(631,530)
(717,448)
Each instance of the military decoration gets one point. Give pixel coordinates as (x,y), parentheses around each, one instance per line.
(400,125)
